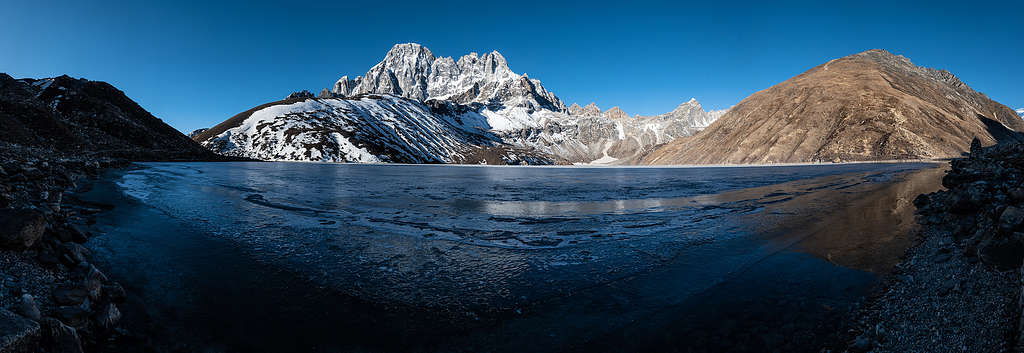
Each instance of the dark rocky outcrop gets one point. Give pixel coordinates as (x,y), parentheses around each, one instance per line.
(55,133)
(18,334)
(965,273)
(300,95)
(60,338)
(196,132)
(89,118)
(982,207)
(20,228)
(27,307)
(326,93)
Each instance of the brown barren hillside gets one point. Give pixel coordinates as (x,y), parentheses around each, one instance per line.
(868,106)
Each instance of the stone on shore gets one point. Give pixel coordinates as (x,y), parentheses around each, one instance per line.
(115,292)
(18,334)
(1011,219)
(20,228)
(27,307)
(73,253)
(70,296)
(73,315)
(107,317)
(60,338)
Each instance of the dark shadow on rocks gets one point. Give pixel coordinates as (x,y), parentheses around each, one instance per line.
(1000,132)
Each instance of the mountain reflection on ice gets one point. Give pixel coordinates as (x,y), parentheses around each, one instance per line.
(574,255)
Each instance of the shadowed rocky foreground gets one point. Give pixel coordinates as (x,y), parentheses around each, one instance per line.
(250,256)
(959,289)
(56,133)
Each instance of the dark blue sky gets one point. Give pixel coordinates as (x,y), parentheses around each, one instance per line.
(195,64)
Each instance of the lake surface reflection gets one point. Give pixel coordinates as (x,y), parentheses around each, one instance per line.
(326,257)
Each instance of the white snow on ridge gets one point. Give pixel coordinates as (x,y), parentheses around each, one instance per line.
(412,71)
(509,119)
(366,130)
(413,107)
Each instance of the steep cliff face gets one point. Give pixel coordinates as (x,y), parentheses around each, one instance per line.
(412,71)
(868,106)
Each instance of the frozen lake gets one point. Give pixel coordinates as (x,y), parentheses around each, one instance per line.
(327,257)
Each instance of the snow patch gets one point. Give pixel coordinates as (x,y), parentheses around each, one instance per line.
(351,152)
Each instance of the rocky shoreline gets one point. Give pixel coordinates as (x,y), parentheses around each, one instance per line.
(959,288)
(52,299)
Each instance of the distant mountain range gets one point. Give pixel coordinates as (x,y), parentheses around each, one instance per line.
(1020,112)
(416,108)
(413,107)
(868,106)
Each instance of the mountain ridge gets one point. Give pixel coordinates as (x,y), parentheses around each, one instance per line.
(514,115)
(80,116)
(412,71)
(867,106)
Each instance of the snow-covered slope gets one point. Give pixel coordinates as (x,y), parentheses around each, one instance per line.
(364,129)
(586,134)
(414,107)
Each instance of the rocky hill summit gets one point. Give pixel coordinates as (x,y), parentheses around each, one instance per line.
(868,106)
(79,116)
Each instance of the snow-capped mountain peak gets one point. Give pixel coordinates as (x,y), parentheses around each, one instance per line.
(415,107)
(1020,112)
(412,71)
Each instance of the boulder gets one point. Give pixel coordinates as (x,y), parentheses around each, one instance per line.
(1003,252)
(960,204)
(60,234)
(107,317)
(60,338)
(1011,220)
(73,315)
(27,307)
(18,334)
(93,282)
(20,228)
(921,200)
(78,233)
(48,257)
(1016,195)
(976,149)
(115,292)
(70,296)
(73,253)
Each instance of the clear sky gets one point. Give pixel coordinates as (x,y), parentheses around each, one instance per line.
(194,64)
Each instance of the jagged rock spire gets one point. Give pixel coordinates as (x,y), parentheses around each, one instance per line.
(412,71)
